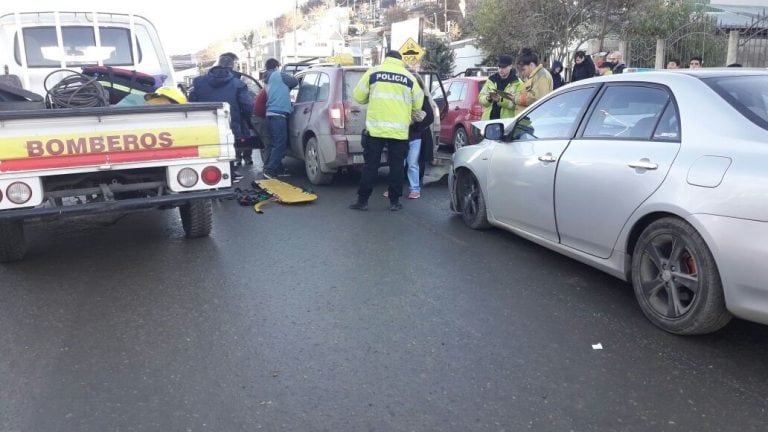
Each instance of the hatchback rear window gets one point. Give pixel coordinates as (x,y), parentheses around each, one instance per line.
(351,78)
(748,94)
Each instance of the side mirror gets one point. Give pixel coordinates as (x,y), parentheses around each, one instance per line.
(494,131)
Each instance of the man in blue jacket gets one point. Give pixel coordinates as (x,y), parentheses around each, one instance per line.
(279,107)
(221,85)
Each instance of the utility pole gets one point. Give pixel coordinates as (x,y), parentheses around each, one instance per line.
(445,15)
(274,40)
(295,33)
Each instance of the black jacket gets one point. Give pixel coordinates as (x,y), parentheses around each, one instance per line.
(557,78)
(221,85)
(584,70)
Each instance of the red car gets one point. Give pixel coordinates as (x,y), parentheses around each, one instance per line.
(463,109)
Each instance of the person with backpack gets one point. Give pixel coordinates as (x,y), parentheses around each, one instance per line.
(279,107)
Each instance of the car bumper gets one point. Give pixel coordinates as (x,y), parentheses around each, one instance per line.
(452,189)
(741,252)
(126,205)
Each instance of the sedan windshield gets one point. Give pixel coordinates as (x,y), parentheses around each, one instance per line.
(748,94)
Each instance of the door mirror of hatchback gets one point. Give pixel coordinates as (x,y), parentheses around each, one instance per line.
(494,131)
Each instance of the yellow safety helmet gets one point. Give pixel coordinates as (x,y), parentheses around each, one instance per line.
(166,95)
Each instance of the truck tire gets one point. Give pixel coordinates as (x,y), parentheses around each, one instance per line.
(197,218)
(13,247)
(312,164)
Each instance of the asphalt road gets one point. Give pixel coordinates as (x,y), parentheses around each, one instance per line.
(319,318)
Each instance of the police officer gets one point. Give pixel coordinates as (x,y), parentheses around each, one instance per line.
(393,97)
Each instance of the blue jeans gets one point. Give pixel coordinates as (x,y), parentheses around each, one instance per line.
(278,132)
(412,161)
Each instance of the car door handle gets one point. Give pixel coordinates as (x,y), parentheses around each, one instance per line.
(644,163)
(547,158)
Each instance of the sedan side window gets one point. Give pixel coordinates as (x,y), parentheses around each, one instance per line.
(627,112)
(669,125)
(556,118)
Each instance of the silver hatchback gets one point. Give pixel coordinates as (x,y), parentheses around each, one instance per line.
(326,125)
(657,178)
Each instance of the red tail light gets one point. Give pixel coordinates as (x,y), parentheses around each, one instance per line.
(336,115)
(211,175)
(476,112)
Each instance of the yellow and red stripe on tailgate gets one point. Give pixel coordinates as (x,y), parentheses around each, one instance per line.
(34,152)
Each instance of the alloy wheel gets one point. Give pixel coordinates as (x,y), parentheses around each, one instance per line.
(669,276)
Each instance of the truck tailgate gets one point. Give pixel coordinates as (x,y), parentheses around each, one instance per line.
(103,137)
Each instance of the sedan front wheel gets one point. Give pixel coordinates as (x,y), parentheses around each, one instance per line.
(471,202)
(676,280)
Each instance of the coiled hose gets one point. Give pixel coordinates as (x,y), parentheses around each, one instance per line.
(75,91)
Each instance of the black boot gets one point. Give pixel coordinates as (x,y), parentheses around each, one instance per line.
(359,205)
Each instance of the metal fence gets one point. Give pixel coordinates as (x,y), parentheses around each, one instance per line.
(746,44)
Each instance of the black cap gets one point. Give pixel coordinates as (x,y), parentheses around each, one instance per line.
(394,54)
(505,60)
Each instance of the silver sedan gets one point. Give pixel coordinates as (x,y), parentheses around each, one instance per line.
(658,178)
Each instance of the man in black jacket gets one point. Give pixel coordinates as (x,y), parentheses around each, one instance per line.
(617,58)
(221,85)
(583,67)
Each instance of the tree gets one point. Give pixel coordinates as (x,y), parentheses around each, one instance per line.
(395,14)
(551,27)
(439,56)
(684,26)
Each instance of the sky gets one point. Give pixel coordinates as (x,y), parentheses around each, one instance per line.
(182,29)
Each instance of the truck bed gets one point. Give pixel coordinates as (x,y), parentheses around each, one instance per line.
(108,137)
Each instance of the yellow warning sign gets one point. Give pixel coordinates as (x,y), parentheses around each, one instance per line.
(412,52)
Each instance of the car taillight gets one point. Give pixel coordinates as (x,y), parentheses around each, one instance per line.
(187,177)
(211,175)
(336,114)
(476,112)
(18,192)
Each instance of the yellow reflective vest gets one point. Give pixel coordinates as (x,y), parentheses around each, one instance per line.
(507,104)
(538,85)
(392,94)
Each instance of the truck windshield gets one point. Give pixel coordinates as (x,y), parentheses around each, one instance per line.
(79,46)
(748,94)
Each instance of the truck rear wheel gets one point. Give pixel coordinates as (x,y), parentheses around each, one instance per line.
(197,218)
(13,247)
